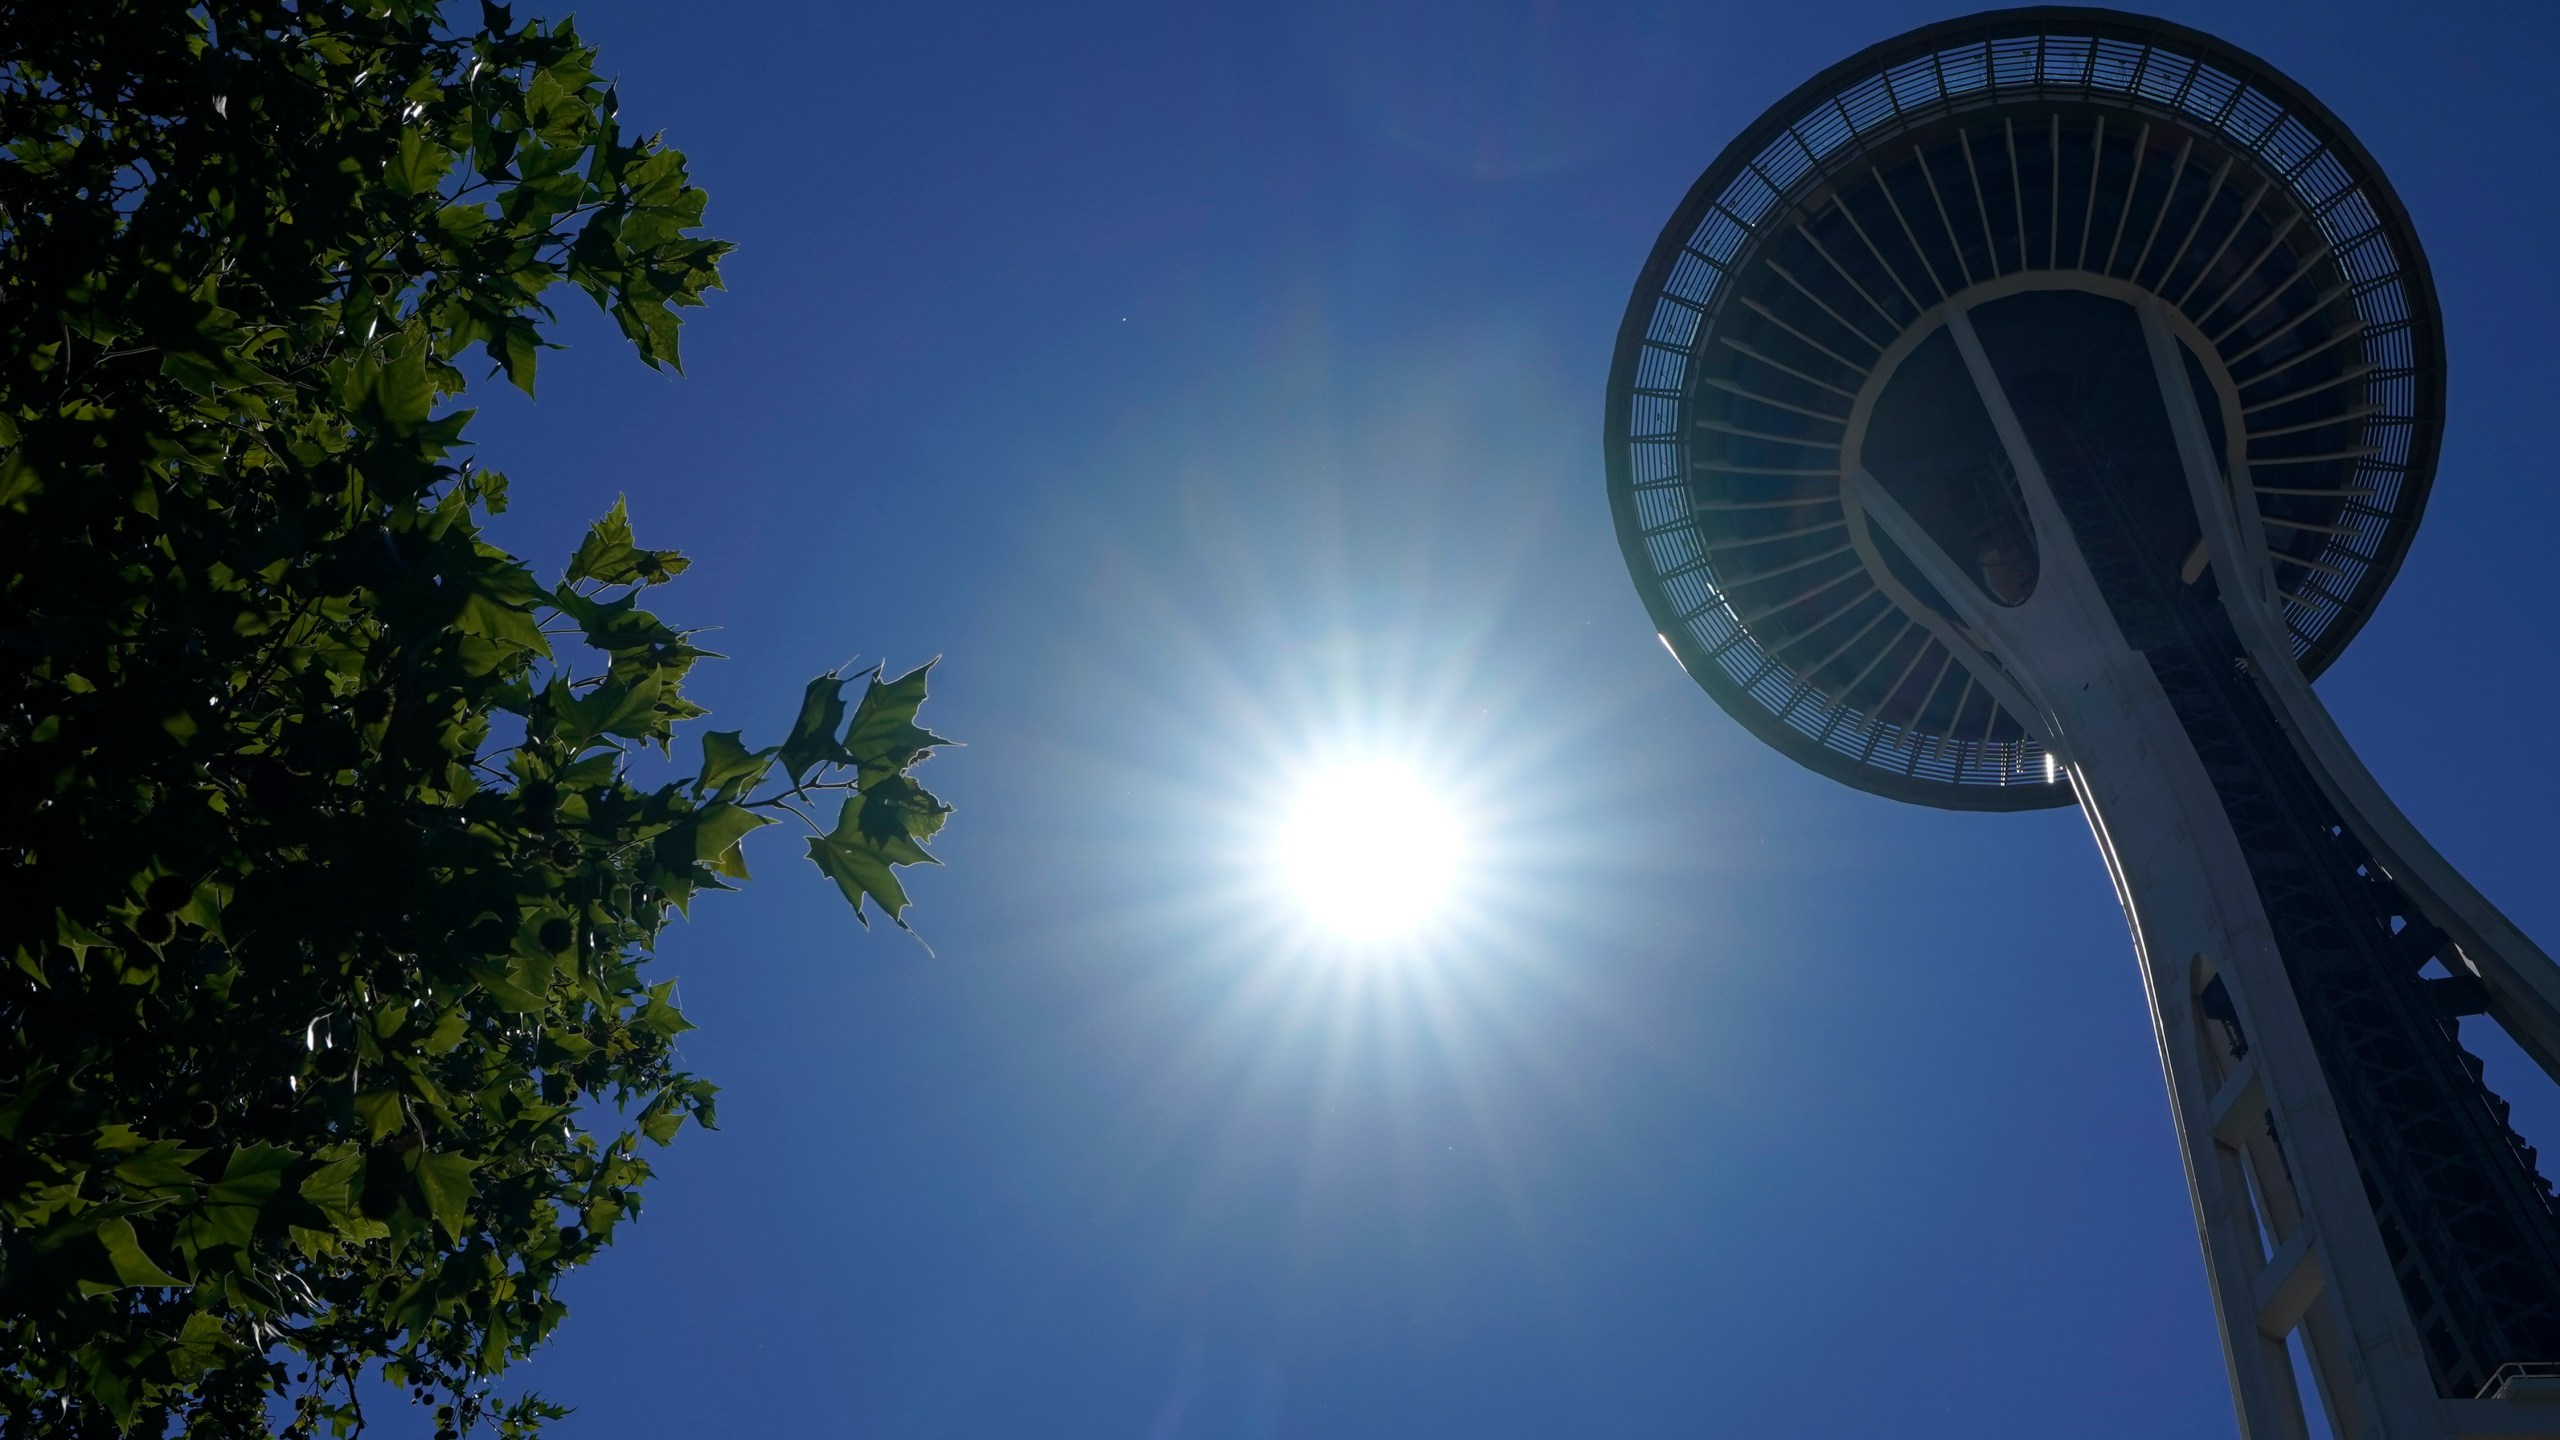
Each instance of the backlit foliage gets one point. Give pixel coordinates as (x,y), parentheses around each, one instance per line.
(327,1041)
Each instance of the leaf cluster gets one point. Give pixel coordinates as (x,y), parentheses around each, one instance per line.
(328,1041)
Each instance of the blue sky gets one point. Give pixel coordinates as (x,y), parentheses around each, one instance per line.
(1217,385)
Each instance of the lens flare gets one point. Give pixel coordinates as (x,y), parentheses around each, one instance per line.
(1368,850)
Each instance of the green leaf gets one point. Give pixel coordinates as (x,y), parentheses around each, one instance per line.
(717,831)
(884,738)
(512,983)
(381,1113)
(729,768)
(606,553)
(863,865)
(402,391)
(124,1252)
(661,1121)
(445,1181)
(813,735)
(498,608)
(617,708)
(420,166)
(19,480)
(492,618)
(337,1187)
(160,1170)
(898,812)
(516,346)
(254,1173)
(609,557)
(202,1344)
(450,1028)
(215,1226)
(660,1017)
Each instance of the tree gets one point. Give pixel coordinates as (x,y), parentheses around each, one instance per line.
(329,1034)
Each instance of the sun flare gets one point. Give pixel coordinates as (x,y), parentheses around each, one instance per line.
(1368,851)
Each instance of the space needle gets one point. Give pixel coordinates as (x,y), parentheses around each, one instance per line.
(2024,412)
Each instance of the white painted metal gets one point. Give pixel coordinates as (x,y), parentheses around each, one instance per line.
(2523,983)
(2290,1245)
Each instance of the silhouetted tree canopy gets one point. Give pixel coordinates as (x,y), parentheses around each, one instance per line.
(327,1039)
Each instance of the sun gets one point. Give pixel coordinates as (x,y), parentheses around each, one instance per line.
(1368,850)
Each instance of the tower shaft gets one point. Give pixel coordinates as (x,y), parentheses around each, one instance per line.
(2358,1192)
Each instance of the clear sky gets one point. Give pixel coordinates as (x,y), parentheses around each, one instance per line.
(1219,386)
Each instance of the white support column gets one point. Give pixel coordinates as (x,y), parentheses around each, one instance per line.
(2305,1252)
(2523,983)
